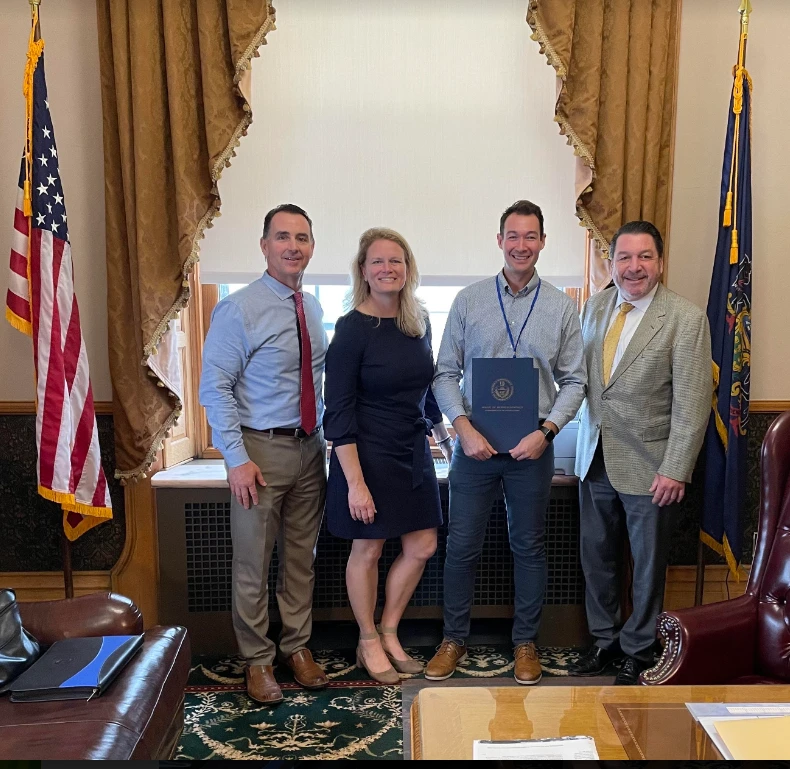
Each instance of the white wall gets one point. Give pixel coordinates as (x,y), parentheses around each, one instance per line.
(72,67)
(708,50)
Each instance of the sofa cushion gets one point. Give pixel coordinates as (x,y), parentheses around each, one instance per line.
(139,716)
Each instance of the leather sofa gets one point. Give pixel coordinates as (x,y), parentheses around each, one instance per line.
(745,640)
(140,715)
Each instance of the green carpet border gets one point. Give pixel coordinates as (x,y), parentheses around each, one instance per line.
(353,718)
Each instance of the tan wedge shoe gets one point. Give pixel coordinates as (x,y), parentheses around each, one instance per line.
(388,676)
(409,665)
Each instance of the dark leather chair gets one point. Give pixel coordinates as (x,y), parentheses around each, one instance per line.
(140,716)
(745,640)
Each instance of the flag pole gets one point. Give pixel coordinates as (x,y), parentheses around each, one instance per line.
(65,554)
(699,587)
(34,4)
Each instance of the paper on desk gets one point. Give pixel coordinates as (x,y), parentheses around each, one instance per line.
(710,714)
(709,725)
(764,739)
(551,749)
(737,709)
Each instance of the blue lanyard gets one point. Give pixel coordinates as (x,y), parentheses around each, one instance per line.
(514,344)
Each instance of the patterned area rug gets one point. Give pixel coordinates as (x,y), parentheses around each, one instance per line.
(353,718)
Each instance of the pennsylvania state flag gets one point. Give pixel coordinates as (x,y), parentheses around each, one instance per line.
(729,314)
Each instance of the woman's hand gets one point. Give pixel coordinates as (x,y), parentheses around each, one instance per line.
(360,503)
(446,447)
(442,439)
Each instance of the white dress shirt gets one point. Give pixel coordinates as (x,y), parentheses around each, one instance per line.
(632,321)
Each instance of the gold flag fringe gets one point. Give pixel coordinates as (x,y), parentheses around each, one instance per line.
(93,515)
(70,504)
(35,48)
(20,324)
(724,549)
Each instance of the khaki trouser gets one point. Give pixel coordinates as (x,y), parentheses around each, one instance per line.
(289,511)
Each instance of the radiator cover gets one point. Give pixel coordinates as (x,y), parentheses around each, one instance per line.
(195,560)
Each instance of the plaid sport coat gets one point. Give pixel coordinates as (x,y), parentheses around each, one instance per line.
(653,413)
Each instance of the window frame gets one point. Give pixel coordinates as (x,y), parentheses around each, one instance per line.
(205,298)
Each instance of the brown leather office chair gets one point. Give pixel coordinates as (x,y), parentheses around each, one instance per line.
(745,640)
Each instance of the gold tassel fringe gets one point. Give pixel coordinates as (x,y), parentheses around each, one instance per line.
(205,222)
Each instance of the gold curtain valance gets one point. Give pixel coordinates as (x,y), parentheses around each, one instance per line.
(173,78)
(616,61)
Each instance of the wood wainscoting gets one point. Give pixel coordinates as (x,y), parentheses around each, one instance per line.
(720,585)
(14,408)
(137,572)
(48,585)
(134,574)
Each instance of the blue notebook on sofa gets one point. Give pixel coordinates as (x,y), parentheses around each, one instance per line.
(75,668)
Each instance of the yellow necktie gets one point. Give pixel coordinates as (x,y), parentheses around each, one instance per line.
(612,338)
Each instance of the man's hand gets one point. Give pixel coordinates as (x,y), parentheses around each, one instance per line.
(666,491)
(242,480)
(474,445)
(360,503)
(530,446)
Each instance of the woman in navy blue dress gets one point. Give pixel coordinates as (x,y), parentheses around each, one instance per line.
(379,411)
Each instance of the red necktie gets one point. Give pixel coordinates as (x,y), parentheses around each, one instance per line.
(306,386)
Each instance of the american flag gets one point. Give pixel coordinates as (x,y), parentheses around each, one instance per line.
(41,302)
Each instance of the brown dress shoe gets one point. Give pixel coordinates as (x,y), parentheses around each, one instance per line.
(261,685)
(527,669)
(444,662)
(306,671)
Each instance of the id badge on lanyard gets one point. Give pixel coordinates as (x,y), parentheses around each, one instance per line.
(514,343)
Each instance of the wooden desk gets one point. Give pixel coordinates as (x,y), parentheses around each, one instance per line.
(626,722)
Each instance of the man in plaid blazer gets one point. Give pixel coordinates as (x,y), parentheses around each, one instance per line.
(648,354)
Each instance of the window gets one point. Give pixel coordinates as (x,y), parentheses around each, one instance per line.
(438,300)
(332,298)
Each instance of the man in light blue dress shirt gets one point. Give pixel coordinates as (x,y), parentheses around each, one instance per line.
(264,404)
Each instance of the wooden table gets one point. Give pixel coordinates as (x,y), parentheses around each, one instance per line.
(626,722)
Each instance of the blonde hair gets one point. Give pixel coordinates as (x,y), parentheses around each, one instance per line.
(411,318)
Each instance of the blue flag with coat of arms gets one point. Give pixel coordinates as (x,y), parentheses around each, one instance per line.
(729,314)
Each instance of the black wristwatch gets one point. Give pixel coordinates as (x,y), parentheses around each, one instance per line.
(548,433)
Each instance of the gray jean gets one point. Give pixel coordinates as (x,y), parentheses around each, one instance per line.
(605,515)
(473,489)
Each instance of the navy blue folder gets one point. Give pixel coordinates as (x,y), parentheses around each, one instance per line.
(504,400)
(75,668)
